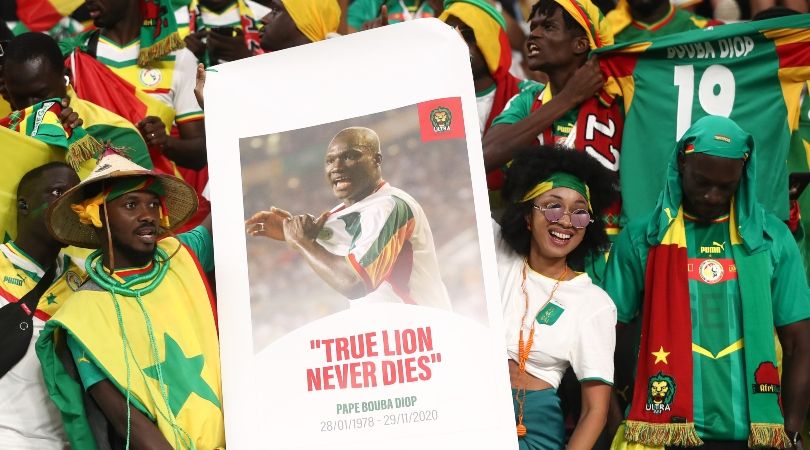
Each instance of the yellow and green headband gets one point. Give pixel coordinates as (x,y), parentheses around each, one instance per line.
(556,180)
(88,210)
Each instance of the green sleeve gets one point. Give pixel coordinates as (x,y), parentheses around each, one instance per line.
(200,241)
(128,138)
(519,106)
(361,11)
(88,371)
(624,276)
(789,291)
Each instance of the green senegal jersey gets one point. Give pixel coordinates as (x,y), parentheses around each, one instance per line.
(721,408)
(750,72)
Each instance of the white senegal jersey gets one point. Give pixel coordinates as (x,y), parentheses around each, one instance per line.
(387,239)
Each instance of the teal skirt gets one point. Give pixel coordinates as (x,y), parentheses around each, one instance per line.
(543,419)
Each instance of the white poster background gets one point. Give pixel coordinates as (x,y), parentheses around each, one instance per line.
(467,401)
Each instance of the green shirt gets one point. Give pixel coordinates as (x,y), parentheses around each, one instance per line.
(521,106)
(362,11)
(720,398)
(676,21)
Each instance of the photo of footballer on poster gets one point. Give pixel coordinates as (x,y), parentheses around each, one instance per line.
(373,206)
(357,291)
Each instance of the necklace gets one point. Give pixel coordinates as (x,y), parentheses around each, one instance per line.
(525,346)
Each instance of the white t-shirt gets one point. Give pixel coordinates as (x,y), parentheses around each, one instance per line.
(28,418)
(484,103)
(387,239)
(579,323)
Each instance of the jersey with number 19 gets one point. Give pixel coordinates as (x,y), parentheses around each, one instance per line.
(750,72)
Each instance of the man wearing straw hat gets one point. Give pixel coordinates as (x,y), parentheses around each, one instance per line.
(141,331)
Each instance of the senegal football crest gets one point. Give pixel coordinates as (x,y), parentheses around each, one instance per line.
(441,119)
(660,393)
(711,271)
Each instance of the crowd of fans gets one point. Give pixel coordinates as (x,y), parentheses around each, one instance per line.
(117,86)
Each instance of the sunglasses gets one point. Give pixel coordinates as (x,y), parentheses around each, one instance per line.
(554,212)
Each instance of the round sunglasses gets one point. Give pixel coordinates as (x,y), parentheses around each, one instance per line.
(554,212)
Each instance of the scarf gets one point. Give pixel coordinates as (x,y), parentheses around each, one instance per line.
(591,19)
(159,35)
(41,121)
(489,28)
(249,24)
(662,409)
(314,18)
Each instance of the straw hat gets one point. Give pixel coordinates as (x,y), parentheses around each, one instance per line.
(64,225)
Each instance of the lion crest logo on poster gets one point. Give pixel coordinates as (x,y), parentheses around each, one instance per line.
(441,118)
(660,394)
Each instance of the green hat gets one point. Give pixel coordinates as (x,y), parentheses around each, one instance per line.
(722,137)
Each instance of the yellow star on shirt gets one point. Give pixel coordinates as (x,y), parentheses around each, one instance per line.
(661,356)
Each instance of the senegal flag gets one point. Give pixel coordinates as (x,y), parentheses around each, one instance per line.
(19,154)
(42,15)
(750,72)
(41,122)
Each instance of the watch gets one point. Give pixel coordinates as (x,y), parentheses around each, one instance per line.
(795,440)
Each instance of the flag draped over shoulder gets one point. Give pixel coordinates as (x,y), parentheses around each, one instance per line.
(41,122)
(751,72)
(42,15)
(19,154)
(96,83)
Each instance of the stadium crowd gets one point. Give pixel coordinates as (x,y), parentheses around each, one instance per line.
(640,299)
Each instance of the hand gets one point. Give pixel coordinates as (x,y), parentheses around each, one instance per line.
(227,48)
(302,230)
(69,117)
(196,43)
(585,83)
(268,223)
(153,131)
(379,21)
(198,88)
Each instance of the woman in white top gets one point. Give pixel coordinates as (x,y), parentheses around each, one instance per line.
(554,316)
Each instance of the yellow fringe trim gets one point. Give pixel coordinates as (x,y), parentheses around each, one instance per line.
(662,434)
(160,49)
(82,150)
(768,435)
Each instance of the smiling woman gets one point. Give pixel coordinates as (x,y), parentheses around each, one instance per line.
(555,316)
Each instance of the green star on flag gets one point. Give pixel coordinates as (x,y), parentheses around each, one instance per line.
(51,298)
(182,376)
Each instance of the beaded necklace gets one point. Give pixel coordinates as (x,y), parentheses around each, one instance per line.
(95,269)
(525,347)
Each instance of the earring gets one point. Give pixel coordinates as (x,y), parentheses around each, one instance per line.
(67,80)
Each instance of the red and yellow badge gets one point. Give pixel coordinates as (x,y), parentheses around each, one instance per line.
(441,119)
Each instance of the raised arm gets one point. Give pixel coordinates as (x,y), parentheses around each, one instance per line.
(502,140)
